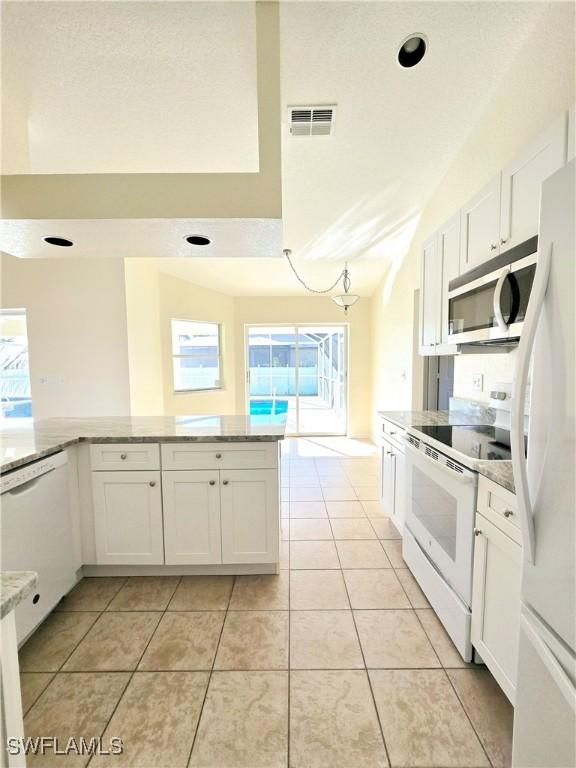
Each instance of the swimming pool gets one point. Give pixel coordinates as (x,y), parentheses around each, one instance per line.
(268,407)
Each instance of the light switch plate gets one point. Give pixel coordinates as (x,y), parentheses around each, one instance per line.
(477,382)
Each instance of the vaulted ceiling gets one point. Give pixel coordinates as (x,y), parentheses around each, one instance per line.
(171,87)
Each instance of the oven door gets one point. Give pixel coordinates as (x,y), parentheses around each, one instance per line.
(491,307)
(440,509)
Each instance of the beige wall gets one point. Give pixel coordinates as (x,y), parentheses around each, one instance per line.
(186,301)
(154,297)
(312,309)
(144,337)
(77,333)
(538,86)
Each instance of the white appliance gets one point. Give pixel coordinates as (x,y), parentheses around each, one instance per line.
(439,535)
(487,305)
(545,715)
(37,535)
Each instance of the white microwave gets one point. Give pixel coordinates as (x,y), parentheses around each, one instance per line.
(487,305)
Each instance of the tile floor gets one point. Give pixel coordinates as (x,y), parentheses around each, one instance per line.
(337,662)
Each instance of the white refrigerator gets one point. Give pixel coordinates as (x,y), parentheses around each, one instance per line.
(545,711)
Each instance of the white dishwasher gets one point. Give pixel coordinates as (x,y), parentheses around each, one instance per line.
(36,533)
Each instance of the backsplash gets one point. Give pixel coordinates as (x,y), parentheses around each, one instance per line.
(488,368)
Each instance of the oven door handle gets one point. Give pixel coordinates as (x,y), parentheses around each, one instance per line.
(467,476)
(502,324)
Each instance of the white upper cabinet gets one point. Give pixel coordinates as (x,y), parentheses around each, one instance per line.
(191,517)
(480,227)
(430,277)
(522,182)
(449,257)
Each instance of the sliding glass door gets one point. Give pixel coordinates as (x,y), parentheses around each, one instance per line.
(298,372)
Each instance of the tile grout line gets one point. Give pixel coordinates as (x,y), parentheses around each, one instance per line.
(210,673)
(365,665)
(133,672)
(480,741)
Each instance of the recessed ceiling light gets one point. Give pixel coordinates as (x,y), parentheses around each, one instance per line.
(197,240)
(54,240)
(412,51)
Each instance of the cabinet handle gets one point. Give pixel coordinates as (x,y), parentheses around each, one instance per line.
(152,483)
(503,240)
(123,456)
(493,246)
(389,453)
(508,512)
(477,532)
(218,455)
(224,482)
(212,482)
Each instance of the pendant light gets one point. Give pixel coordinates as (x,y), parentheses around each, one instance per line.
(344,300)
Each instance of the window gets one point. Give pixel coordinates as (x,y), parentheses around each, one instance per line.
(195,355)
(15,383)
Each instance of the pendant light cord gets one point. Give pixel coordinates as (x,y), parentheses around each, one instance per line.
(342,274)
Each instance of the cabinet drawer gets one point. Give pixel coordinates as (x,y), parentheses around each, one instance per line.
(499,506)
(111,456)
(394,433)
(252,455)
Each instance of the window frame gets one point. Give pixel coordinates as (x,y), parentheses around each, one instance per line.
(173,357)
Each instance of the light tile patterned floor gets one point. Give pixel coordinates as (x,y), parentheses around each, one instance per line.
(338,662)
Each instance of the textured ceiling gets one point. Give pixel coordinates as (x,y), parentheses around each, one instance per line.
(171,86)
(129,87)
(358,193)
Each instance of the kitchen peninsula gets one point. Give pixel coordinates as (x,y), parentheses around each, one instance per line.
(139,496)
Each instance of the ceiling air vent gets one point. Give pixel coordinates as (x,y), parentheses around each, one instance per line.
(312,120)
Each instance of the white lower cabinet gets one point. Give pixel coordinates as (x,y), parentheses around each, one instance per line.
(496,602)
(392,477)
(128,518)
(191,503)
(190,513)
(399,490)
(388,477)
(249,516)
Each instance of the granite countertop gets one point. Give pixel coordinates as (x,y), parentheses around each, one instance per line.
(498,471)
(416,418)
(14,587)
(462,412)
(42,438)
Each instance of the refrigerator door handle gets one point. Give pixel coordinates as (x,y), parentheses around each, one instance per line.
(561,679)
(525,348)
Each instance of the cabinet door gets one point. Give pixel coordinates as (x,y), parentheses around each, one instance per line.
(192,517)
(496,602)
(522,182)
(250,516)
(398,516)
(449,257)
(430,276)
(388,478)
(128,518)
(480,227)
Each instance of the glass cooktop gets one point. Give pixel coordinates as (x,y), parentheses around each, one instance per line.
(488,443)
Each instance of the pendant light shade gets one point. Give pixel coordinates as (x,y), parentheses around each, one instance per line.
(344,300)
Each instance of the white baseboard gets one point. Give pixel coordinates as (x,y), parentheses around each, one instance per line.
(180,570)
